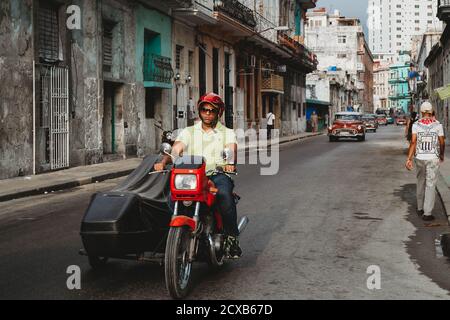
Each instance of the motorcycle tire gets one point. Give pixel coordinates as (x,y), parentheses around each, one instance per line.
(215,260)
(97,262)
(176,267)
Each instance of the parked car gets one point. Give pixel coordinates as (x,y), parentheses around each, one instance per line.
(347,125)
(370,122)
(401,120)
(390,120)
(382,120)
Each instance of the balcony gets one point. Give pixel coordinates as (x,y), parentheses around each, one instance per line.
(443,12)
(158,71)
(199,12)
(301,53)
(273,83)
(308,4)
(265,28)
(237,11)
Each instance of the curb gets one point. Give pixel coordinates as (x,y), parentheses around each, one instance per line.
(444,194)
(65,185)
(106,176)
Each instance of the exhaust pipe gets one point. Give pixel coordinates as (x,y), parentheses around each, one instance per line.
(242,224)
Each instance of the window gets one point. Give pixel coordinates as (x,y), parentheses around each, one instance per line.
(48,34)
(342,39)
(342,55)
(152,97)
(190,62)
(107,43)
(216,70)
(178,57)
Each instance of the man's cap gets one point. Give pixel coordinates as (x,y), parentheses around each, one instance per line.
(426,107)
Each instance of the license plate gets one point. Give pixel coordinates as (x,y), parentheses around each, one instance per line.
(345,133)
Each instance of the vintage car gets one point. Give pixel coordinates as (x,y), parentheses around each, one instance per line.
(390,120)
(370,122)
(401,120)
(347,125)
(382,120)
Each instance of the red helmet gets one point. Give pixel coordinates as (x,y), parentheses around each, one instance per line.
(213,99)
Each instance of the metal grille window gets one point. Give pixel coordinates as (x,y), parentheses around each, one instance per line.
(48,34)
(107,45)
(178,57)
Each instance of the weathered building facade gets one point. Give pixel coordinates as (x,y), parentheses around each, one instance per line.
(105,88)
(339,42)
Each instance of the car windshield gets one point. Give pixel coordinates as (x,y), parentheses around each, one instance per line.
(369,118)
(348,117)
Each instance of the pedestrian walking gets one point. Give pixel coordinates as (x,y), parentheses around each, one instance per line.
(270,117)
(408,130)
(314,122)
(428,145)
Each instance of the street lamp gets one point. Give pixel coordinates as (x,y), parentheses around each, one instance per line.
(279,28)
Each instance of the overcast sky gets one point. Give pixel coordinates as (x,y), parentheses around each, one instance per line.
(348,8)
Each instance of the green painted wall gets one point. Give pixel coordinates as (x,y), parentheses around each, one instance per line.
(161,44)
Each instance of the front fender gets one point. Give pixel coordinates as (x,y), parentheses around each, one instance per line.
(180,221)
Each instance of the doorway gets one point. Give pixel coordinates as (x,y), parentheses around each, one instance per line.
(112,122)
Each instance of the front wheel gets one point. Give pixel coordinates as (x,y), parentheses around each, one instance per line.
(177,266)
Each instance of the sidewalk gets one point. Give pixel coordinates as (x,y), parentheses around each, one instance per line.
(73,177)
(443,183)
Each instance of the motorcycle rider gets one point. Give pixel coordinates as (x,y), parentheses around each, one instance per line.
(208,138)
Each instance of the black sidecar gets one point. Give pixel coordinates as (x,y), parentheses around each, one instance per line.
(130,220)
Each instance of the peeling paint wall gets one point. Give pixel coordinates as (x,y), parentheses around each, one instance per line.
(16,88)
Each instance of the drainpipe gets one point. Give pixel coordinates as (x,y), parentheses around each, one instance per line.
(34,117)
(34,91)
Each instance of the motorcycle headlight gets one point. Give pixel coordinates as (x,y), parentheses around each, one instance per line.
(186,182)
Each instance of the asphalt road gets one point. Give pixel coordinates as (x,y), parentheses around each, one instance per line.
(331,211)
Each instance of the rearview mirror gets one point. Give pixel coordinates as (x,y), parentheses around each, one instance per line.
(165,148)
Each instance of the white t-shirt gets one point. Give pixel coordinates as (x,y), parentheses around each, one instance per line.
(270,117)
(428,132)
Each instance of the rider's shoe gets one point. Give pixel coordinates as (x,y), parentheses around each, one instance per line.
(234,251)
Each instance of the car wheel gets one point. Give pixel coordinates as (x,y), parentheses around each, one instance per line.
(332,139)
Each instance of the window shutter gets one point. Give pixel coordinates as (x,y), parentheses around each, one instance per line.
(107,45)
(48,34)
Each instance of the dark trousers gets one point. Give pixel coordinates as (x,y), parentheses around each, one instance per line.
(269,131)
(225,202)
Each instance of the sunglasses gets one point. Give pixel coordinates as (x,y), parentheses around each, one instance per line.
(208,111)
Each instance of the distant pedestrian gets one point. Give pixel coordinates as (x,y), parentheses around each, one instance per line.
(408,130)
(428,145)
(270,117)
(314,122)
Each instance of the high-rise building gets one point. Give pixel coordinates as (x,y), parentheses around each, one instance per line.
(392,24)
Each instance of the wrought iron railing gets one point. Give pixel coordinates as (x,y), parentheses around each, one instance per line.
(157,68)
(306,56)
(265,28)
(237,11)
